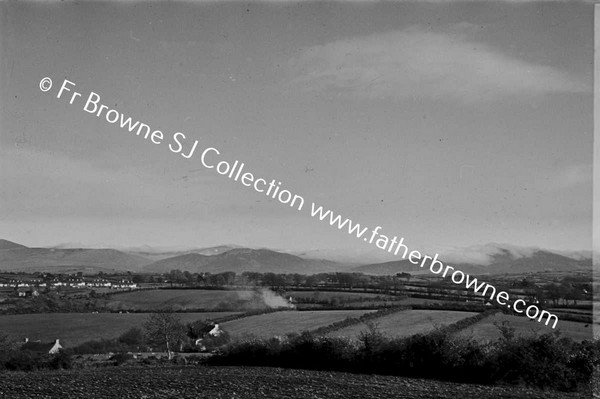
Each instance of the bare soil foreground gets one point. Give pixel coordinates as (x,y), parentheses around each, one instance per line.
(242,382)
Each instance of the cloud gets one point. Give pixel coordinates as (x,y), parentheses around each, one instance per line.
(484,254)
(477,254)
(570,177)
(414,63)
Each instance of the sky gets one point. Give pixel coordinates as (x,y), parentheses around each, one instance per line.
(451,124)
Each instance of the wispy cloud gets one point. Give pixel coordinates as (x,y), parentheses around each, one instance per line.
(415,63)
(567,178)
(484,254)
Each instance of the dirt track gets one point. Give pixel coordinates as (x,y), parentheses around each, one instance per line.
(240,382)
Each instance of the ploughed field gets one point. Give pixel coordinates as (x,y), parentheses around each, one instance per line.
(75,328)
(486,330)
(241,382)
(406,323)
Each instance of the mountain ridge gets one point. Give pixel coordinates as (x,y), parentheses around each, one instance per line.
(503,262)
(17,257)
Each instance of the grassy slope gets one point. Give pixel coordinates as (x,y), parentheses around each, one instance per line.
(281,323)
(406,323)
(75,328)
(324,295)
(486,330)
(181,299)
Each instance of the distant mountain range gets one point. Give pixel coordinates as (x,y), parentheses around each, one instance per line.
(155,255)
(504,262)
(244,259)
(17,257)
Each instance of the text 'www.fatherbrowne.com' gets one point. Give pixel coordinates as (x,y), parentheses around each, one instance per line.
(211,158)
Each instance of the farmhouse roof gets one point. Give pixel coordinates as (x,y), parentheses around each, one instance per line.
(42,347)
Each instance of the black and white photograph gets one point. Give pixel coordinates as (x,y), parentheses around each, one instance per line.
(299,199)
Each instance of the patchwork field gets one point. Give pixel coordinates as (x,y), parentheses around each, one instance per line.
(182,300)
(176,299)
(486,330)
(325,295)
(406,323)
(281,323)
(420,301)
(75,328)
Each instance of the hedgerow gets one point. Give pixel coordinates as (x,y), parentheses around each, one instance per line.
(544,361)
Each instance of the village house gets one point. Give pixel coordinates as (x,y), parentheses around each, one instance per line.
(26,292)
(71,281)
(51,348)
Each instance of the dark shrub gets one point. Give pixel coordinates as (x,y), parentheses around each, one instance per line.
(24,361)
(132,337)
(103,346)
(198,329)
(372,339)
(546,361)
(212,342)
(121,358)
(61,360)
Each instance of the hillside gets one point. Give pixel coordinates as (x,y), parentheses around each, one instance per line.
(538,261)
(503,262)
(16,257)
(187,262)
(5,244)
(244,259)
(159,254)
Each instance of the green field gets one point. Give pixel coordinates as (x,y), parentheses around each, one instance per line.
(421,301)
(281,323)
(406,323)
(197,299)
(325,295)
(75,328)
(486,330)
(176,300)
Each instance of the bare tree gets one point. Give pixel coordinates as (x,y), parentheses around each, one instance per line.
(166,329)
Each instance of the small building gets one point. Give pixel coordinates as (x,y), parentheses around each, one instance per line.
(208,331)
(41,347)
(216,331)
(26,292)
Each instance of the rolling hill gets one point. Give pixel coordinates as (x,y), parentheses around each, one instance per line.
(245,259)
(155,254)
(5,244)
(17,257)
(504,262)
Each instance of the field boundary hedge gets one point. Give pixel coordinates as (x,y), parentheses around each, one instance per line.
(450,329)
(243,315)
(351,321)
(468,321)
